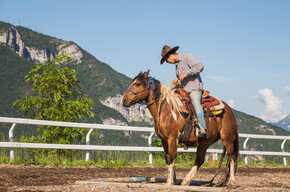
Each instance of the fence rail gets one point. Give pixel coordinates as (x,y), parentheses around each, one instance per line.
(11,144)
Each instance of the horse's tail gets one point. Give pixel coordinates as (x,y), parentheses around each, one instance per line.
(236,150)
(237,146)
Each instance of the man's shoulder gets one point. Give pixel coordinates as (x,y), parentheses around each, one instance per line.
(187,56)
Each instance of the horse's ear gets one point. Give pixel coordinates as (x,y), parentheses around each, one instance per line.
(147,73)
(140,74)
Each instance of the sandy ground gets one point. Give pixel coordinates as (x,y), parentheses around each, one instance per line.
(35,178)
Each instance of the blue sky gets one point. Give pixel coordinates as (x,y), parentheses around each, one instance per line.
(244,45)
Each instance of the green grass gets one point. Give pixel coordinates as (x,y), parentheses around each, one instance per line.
(106,159)
(64,162)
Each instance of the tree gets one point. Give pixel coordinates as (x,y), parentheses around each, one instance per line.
(57,97)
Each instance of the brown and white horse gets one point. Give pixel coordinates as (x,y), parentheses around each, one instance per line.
(169,124)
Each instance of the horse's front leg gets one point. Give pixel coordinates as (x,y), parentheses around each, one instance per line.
(200,154)
(170,149)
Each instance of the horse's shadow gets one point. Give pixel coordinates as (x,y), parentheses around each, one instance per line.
(192,183)
(178,182)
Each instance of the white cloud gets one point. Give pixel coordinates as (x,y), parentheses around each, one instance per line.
(273,111)
(231,103)
(286,90)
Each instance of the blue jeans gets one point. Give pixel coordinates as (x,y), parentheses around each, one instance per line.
(196,102)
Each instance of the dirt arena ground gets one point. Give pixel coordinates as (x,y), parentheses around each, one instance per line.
(35,178)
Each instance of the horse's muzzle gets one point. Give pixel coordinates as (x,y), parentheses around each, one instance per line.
(126,102)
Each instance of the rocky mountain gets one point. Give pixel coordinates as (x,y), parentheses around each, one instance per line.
(98,79)
(21,48)
(134,113)
(284,123)
(13,39)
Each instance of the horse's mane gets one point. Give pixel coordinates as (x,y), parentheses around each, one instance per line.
(164,93)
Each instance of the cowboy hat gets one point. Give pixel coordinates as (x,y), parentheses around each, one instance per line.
(166,51)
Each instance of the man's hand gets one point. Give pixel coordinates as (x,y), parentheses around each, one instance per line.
(182,76)
(174,81)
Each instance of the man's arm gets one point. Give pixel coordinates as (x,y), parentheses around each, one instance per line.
(195,65)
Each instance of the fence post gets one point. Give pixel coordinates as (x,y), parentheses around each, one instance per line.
(245,149)
(150,145)
(282,147)
(88,142)
(11,136)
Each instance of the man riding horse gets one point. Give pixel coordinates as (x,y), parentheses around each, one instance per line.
(171,123)
(187,68)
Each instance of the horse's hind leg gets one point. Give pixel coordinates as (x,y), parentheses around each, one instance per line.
(170,149)
(200,154)
(230,138)
(232,181)
(230,148)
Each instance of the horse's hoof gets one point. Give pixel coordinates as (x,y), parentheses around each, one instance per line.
(185,183)
(231,185)
(169,183)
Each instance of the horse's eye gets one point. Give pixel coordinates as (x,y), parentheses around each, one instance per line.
(138,84)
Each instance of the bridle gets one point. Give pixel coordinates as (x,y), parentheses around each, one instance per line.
(151,81)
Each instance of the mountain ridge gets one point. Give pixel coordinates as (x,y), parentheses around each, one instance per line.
(284,123)
(38,48)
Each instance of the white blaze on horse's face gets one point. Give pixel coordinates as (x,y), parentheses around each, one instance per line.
(125,100)
(133,83)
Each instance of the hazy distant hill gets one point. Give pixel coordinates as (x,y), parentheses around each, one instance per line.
(21,48)
(284,123)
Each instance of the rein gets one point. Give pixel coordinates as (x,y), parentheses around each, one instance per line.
(179,80)
(151,81)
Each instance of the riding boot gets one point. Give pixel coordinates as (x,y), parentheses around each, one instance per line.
(200,131)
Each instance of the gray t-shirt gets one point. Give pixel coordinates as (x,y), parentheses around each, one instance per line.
(190,65)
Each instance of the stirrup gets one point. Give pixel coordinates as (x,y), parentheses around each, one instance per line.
(200,131)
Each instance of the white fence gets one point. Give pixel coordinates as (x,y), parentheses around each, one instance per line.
(149,149)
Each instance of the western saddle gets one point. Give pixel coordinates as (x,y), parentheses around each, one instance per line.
(209,104)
